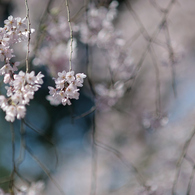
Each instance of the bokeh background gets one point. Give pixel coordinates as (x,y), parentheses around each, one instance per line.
(132,147)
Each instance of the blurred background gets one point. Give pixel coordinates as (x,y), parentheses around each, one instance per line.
(135,115)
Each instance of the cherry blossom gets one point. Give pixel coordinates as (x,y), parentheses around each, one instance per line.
(19,93)
(66,88)
(21,86)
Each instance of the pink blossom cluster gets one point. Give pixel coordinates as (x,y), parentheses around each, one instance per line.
(56,50)
(99,31)
(22,86)
(99,23)
(108,96)
(152,121)
(14,31)
(20,91)
(65,88)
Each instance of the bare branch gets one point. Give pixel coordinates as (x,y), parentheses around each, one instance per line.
(28,34)
(45,137)
(44,168)
(180,161)
(71,35)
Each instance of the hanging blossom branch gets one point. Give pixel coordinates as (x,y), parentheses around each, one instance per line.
(67,83)
(22,86)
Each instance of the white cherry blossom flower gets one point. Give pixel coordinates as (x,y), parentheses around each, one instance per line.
(70,76)
(30,78)
(21,112)
(6,78)
(15,65)
(5,69)
(21,90)
(80,77)
(10,22)
(66,101)
(53,101)
(52,91)
(21,23)
(11,113)
(3,102)
(39,79)
(66,88)
(62,75)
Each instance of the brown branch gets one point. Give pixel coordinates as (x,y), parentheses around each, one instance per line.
(91,110)
(71,34)
(158,93)
(94,159)
(130,166)
(171,57)
(180,161)
(45,137)
(13,160)
(28,34)
(39,36)
(44,168)
(192,174)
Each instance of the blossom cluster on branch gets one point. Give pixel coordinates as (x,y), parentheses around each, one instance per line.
(21,86)
(97,31)
(20,91)
(66,88)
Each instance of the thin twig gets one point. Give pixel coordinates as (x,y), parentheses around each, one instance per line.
(180,161)
(71,35)
(192,174)
(28,34)
(94,149)
(145,34)
(158,94)
(171,57)
(13,159)
(45,137)
(5,180)
(44,168)
(156,6)
(40,35)
(90,82)
(119,155)
(22,153)
(23,178)
(91,110)
(22,145)
(94,159)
